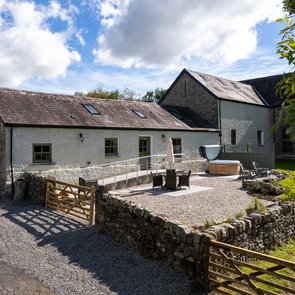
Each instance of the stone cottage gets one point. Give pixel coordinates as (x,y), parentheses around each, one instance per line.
(41,131)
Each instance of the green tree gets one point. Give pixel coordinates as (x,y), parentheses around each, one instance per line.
(289,6)
(154,96)
(286,87)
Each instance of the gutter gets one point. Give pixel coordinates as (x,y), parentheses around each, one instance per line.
(219,115)
(11,167)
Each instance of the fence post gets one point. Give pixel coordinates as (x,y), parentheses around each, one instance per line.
(207,260)
(91,205)
(47,192)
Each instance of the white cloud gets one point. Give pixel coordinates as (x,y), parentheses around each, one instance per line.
(28,48)
(167,33)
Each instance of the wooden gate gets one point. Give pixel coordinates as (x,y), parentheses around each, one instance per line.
(75,200)
(232,270)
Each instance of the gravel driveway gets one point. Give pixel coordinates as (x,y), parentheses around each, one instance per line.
(68,257)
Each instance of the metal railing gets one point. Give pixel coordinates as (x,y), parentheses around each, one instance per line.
(134,168)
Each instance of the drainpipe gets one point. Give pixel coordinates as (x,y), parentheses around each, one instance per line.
(219,115)
(11,167)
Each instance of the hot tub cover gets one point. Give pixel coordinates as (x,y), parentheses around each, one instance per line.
(210,152)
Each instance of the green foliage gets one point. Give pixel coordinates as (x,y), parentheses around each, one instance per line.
(154,96)
(286,87)
(289,185)
(229,219)
(255,206)
(207,223)
(285,164)
(289,6)
(265,191)
(239,214)
(284,251)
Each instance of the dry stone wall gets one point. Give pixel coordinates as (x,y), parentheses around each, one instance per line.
(182,247)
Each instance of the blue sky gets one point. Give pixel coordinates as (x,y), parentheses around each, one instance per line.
(67,46)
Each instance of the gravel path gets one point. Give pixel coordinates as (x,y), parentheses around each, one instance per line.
(69,257)
(223,198)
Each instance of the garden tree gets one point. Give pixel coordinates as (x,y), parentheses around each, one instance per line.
(154,96)
(286,87)
(289,6)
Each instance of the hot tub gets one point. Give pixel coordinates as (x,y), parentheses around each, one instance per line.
(224,167)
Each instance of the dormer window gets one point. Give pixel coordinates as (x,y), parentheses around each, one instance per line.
(91,109)
(139,114)
(222,82)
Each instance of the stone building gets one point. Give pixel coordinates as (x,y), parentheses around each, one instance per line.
(41,132)
(237,110)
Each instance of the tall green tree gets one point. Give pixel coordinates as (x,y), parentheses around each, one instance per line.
(286,87)
(154,96)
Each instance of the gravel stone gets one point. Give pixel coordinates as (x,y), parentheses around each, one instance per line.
(69,257)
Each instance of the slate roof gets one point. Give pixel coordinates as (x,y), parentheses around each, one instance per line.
(225,89)
(188,116)
(26,108)
(266,86)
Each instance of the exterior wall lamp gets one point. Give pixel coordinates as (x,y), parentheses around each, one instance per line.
(82,137)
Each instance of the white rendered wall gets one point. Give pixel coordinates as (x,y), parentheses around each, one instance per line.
(69,152)
(247,120)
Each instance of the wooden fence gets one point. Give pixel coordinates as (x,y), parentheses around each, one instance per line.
(234,270)
(75,200)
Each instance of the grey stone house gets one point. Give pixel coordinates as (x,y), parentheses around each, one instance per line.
(242,116)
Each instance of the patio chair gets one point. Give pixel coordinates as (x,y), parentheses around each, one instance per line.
(245,174)
(157,180)
(184,180)
(171,180)
(260,171)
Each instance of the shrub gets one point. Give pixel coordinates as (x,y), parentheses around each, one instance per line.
(239,214)
(255,206)
(207,223)
(289,185)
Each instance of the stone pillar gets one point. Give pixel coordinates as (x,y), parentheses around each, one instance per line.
(100,194)
(2,159)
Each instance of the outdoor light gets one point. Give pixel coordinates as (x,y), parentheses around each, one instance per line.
(82,137)
(164,137)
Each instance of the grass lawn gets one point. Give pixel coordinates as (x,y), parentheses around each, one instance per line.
(286,252)
(285,164)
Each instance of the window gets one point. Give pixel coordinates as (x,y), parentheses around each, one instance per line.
(236,85)
(111,147)
(222,82)
(42,153)
(233,136)
(177,147)
(139,114)
(260,137)
(91,109)
(204,77)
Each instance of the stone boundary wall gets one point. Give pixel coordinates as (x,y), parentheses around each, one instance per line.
(182,247)
(35,189)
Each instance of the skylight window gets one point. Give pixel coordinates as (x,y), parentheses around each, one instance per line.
(236,85)
(91,109)
(204,77)
(222,82)
(139,114)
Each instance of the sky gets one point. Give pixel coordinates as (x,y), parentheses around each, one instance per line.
(67,46)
